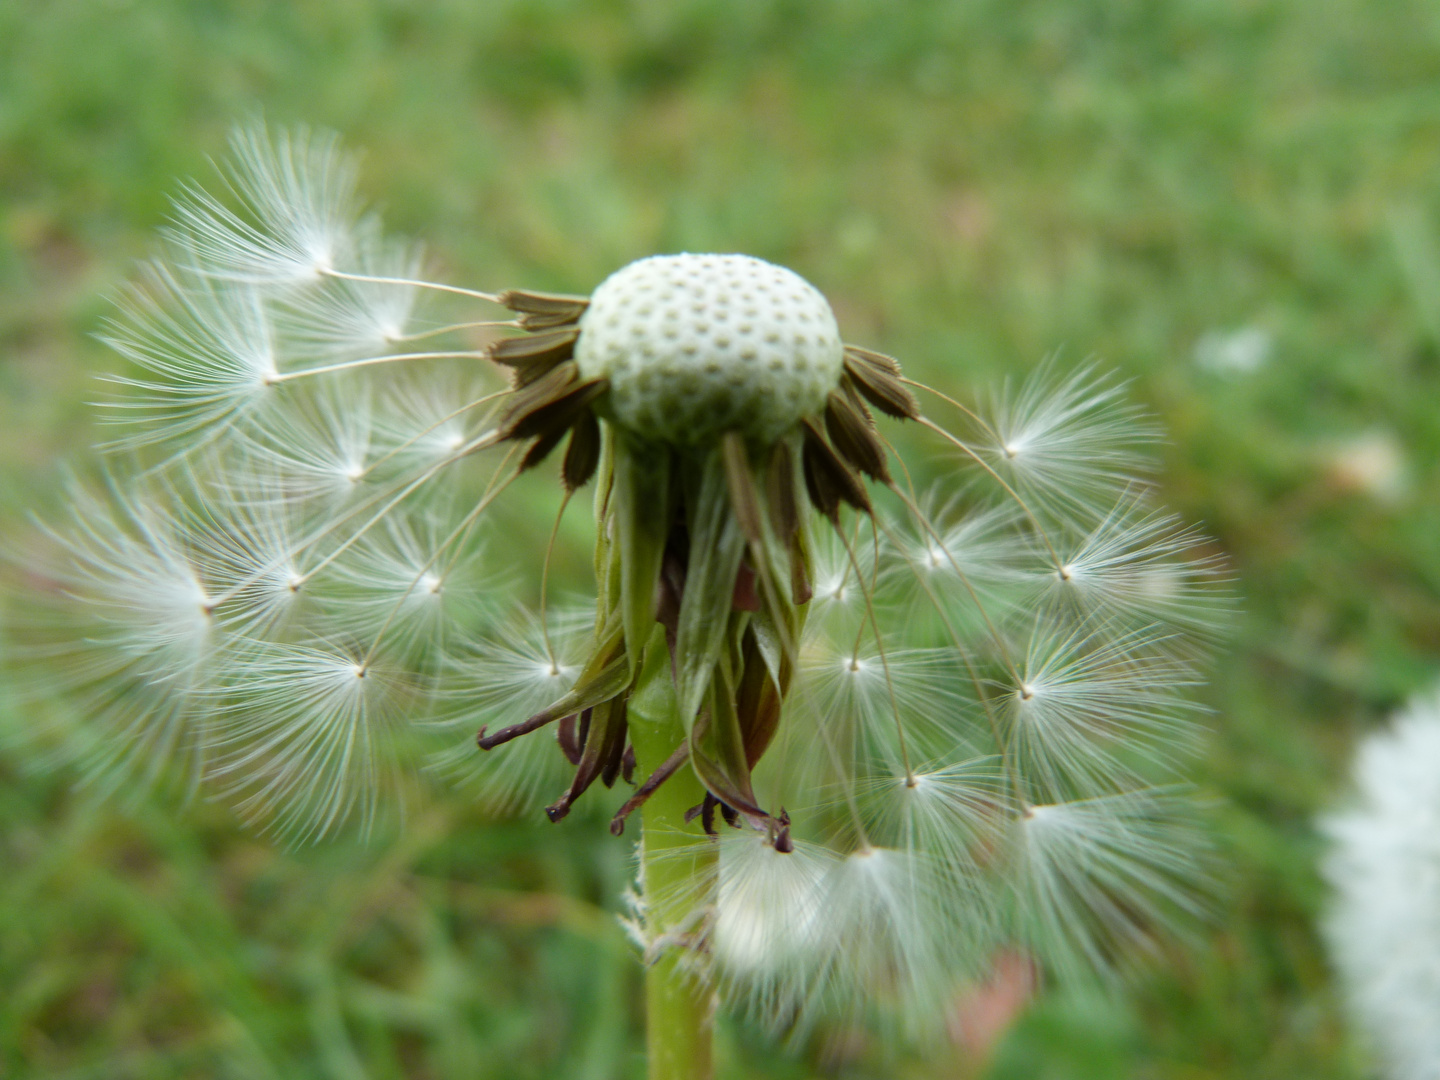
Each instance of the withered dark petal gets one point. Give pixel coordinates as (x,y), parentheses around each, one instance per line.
(869,358)
(757,701)
(565,736)
(854,439)
(616,736)
(542,448)
(524,400)
(827,479)
(847,387)
(539,310)
(883,390)
(627,764)
(666,769)
(745,597)
(557,412)
(531,356)
(601,757)
(582,456)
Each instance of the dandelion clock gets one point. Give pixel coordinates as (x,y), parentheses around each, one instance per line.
(1383,867)
(872,721)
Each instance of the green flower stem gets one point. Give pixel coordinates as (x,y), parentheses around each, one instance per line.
(678,876)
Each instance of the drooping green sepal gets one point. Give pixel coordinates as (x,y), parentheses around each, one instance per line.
(604,675)
(717,546)
(717,740)
(642,509)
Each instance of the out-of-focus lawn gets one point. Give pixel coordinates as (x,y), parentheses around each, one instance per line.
(1236,203)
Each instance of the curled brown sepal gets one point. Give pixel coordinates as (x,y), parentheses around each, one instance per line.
(556,411)
(512,731)
(572,742)
(541,311)
(758,700)
(603,677)
(604,749)
(627,765)
(666,769)
(717,752)
(780,838)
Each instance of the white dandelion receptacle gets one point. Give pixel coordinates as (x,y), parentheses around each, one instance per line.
(697,345)
(851,704)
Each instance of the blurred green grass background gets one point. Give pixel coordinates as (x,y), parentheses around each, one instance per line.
(1234,203)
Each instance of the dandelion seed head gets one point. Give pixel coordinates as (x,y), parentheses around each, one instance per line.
(340,318)
(309,738)
(935,719)
(1383,869)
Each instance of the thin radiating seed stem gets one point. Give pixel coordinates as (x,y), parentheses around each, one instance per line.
(964,580)
(370,361)
(470,518)
(839,765)
(845,570)
(884,660)
(507,324)
(375,519)
(485,495)
(1001,743)
(874,581)
(970,451)
(421,434)
(294,550)
(971,413)
(545,580)
(912,504)
(377,280)
(330,527)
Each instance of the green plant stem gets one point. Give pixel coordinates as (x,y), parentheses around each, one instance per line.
(678,877)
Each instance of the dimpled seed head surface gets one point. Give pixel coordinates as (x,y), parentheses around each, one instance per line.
(698,345)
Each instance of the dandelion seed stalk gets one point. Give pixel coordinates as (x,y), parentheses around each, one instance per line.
(874,736)
(678,879)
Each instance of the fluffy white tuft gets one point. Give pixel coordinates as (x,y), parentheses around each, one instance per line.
(297,214)
(1071,443)
(1383,867)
